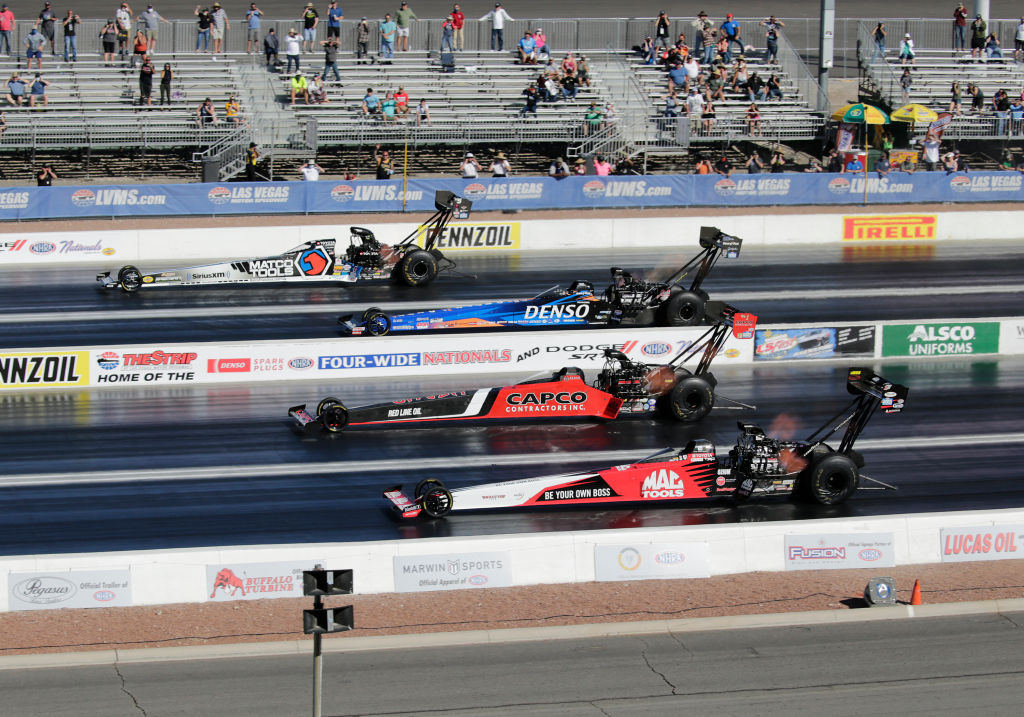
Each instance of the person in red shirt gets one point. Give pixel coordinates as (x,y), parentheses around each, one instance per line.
(401,101)
(459,21)
(960,27)
(6,27)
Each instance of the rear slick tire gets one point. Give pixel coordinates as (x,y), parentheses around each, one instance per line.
(684,308)
(129,279)
(417,268)
(334,416)
(832,479)
(437,502)
(690,400)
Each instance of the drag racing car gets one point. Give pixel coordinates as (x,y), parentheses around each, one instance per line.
(624,387)
(320,260)
(627,301)
(756,466)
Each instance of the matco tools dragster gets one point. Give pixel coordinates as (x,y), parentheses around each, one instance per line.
(623,388)
(756,466)
(627,301)
(319,260)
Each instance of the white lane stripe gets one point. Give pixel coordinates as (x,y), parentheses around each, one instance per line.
(281,309)
(441,463)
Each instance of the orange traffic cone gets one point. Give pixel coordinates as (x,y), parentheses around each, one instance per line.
(915,597)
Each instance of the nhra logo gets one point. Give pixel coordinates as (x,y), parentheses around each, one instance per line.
(725,187)
(103,595)
(656,348)
(342,193)
(546,398)
(474,191)
(870,554)
(593,189)
(960,184)
(219,195)
(43,247)
(662,484)
(839,185)
(83,198)
(108,361)
(300,363)
(669,557)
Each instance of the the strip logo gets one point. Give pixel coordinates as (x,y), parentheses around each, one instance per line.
(906,226)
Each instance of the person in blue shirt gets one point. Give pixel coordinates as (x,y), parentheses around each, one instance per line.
(252,18)
(854,165)
(527,50)
(334,17)
(730,30)
(677,77)
(388,28)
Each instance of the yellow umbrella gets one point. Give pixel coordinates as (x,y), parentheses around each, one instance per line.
(914,113)
(860,113)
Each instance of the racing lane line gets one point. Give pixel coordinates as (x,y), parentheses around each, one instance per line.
(390,466)
(265,310)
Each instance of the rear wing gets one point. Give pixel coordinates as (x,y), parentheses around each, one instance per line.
(449,207)
(891,396)
(715,238)
(726,318)
(714,244)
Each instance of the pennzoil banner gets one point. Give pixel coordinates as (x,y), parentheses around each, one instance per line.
(477,235)
(44,369)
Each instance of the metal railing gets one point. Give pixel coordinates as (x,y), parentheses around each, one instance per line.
(797,71)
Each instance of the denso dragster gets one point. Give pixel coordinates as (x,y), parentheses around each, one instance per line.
(320,260)
(756,466)
(623,388)
(628,301)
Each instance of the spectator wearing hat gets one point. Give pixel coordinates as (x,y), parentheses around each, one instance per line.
(448,34)
(661,29)
(648,50)
(992,48)
(979,31)
(540,41)
(219,26)
(34,42)
(46,22)
(292,49)
(771,33)
(334,17)
(271,47)
(402,101)
(252,158)
(252,34)
(527,50)
(498,18)
(730,29)
(699,25)
(388,29)
(558,169)
(15,90)
(108,35)
(500,166)
(532,96)
(469,168)
(206,113)
(330,46)
(151,20)
(310,19)
(300,87)
(233,110)
(403,16)
(362,40)
(311,171)
(907,50)
(579,167)
(6,26)
(205,22)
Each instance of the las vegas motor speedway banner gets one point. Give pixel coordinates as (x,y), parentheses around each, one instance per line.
(510,193)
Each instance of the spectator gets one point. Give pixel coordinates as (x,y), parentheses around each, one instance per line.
(692,68)
(1016,114)
(699,25)
(292,48)
(1018,42)
(569,88)
(907,165)
(774,88)
(70,24)
(387,107)
(677,78)
(814,167)
(882,165)
(232,110)
(423,113)
(252,32)
(731,30)
(955,105)
(37,91)
(402,101)
(992,47)
(569,64)
(299,87)
(558,169)
(755,88)
(710,44)
(753,119)
(951,161)
(165,84)
(310,19)
(146,72)
(602,167)
(388,29)
(219,26)
(772,27)
(123,18)
(878,35)
(977,97)
(754,164)
(252,158)
(448,34)
(540,43)
(385,164)
(722,49)
(703,166)
(530,93)
(833,161)
(647,50)
(6,26)
(1019,166)
(15,90)
(139,47)
(625,165)
(661,29)
(271,47)
(583,71)
(708,116)
(778,163)
(350,176)
(905,82)
(330,46)
(854,165)
(205,23)
(887,141)
(45,176)
(907,50)
(34,42)
(334,17)
(108,35)
(317,91)
(403,16)
(362,40)
(500,166)
(151,19)
(469,168)
(715,86)
(671,105)
(552,89)
(527,50)
(930,145)
(458,22)
(46,22)
(579,167)
(592,119)
(739,74)
(497,16)
(371,103)
(694,104)
(979,31)
(959,27)
(723,166)
(205,113)
(1001,109)
(311,171)
(3,122)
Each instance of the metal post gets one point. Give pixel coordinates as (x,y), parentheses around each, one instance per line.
(405,169)
(981,8)
(318,664)
(825,49)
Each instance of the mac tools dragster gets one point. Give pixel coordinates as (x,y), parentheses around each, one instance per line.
(627,301)
(622,388)
(756,466)
(320,260)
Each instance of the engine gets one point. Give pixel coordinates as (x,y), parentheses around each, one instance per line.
(624,379)
(364,250)
(757,455)
(632,296)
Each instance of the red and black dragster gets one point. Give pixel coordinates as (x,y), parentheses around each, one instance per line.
(756,466)
(622,388)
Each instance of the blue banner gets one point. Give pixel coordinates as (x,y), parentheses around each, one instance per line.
(333,196)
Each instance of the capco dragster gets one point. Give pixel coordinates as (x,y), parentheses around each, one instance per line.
(320,260)
(756,466)
(628,301)
(624,387)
